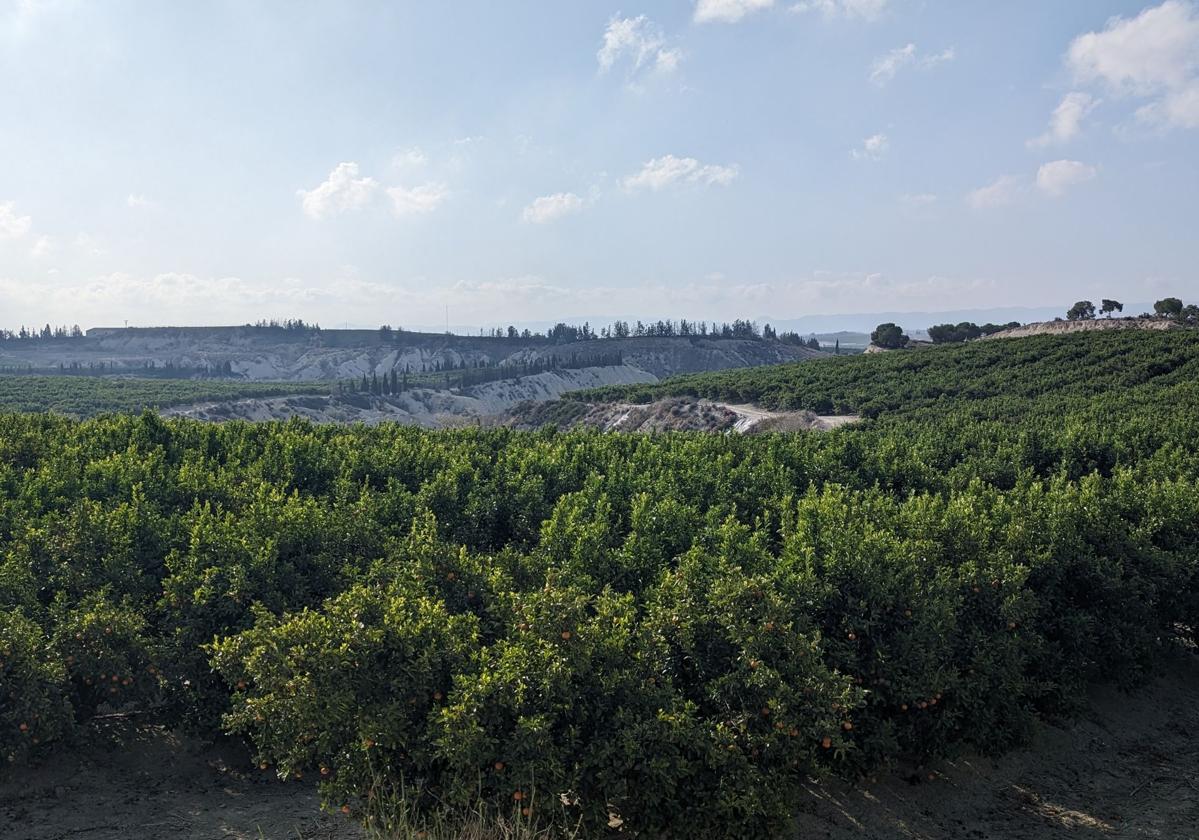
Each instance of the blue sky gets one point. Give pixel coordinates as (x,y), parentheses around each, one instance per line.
(369,162)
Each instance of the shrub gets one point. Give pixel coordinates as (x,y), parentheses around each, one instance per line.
(33,706)
(106,651)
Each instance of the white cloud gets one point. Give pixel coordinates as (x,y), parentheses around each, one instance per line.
(862,9)
(727,11)
(638,42)
(344,191)
(1067,119)
(91,245)
(43,247)
(1153,56)
(410,158)
(417,200)
(873,148)
(341,192)
(1179,108)
(1055,177)
(13,226)
(665,171)
(548,208)
(885,67)
(1002,191)
(139,201)
(183,298)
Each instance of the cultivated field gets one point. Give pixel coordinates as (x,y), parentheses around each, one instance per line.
(668,634)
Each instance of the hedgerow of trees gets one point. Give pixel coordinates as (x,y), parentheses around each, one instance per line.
(86,396)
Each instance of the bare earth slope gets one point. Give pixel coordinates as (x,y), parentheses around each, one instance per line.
(419,406)
(1063,327)
(349,354)
(671,414)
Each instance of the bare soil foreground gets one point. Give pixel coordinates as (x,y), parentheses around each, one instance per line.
(1129,768)
(150,784)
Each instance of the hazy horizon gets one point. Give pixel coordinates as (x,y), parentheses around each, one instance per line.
(715,159)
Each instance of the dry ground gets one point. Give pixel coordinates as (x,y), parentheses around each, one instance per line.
(148,784)
(1127,769)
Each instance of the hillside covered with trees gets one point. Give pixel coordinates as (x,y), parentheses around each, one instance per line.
(669,634)
(988,379)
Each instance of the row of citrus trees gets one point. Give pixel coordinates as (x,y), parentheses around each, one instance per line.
(665,635)
(998,378)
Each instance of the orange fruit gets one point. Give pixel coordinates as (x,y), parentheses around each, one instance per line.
(847,726)
(517,795)
(345,809)
(826,742)
(565,634)
(499,765)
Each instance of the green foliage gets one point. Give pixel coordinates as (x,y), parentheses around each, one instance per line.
(1047,376)
(965,331)
(889,335)
(87,396)
(106,652)
(1083,310)
(33,709)
(673,632)
(1170,307)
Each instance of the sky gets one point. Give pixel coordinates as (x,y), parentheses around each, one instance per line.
(384,162)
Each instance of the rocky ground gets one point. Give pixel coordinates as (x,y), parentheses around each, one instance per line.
(671,414)
(1062,327)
